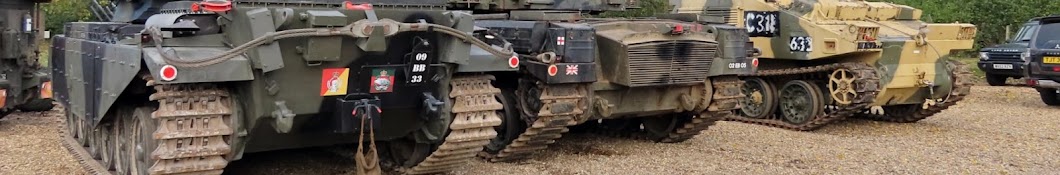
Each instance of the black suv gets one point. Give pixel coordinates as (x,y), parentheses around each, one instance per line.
(1043,68)
(1004,61)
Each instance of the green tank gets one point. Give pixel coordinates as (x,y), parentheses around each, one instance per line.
(179,87)
(662,79)
(24,83)
(826,60)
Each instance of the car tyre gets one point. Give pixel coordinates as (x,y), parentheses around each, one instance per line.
(996,80)
(1049,96)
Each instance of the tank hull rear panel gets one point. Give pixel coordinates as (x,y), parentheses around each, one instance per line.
(279,74)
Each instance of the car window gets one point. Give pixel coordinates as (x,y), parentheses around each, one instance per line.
(1025,34)
(1048,36)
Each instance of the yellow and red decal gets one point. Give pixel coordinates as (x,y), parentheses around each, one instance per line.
(333,81)
(46,90)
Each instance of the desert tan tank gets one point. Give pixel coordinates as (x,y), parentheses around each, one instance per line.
(825,60)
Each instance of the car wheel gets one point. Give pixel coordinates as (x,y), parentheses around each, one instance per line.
(996,80)
(1049,96)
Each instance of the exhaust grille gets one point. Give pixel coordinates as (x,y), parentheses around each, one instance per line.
(670,62)
(732,17)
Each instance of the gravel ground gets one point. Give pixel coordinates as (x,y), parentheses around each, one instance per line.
(997,130)
(30,144)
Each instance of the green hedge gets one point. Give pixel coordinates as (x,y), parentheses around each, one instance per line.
(991,16)
(59,12)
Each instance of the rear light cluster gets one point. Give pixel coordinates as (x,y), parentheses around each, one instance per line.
(1032,82)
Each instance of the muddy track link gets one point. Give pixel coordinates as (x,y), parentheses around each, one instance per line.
(550,124)
(474,116)
(962,86)
(867,86)
(191,136)
(193,125)
(725,98)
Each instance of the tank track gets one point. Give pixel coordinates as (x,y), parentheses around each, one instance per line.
(549,125)
(867,84)
(192,128)
(961,87)
(80,153)
(191,136)
(474,116)
(725,97)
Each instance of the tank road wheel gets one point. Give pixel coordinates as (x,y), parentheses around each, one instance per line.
(103,143)
(658,128)
(142,143)
(119,142)
(511,125)
(73,128)
(800,102)
(90,138)
(760,98)
(841,87)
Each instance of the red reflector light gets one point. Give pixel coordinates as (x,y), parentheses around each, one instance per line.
(513,62)
(754,62)
(1056,69)
(350,6)
(553,70)
(1032,82)
(678,29)
(168,73)
(196,7)
(217,6)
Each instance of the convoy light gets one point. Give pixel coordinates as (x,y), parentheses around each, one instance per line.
(168,73)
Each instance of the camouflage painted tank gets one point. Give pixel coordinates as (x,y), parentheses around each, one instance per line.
(825,60)
(179,87)
(662,80)
(24,84)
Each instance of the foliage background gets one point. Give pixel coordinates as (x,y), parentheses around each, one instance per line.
(63,11)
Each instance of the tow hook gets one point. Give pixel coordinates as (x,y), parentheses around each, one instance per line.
(430,105)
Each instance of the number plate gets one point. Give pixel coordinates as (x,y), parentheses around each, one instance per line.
(1051,60)
(418,68)
(1002,66)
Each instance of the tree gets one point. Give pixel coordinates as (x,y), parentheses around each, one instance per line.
(60,12)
